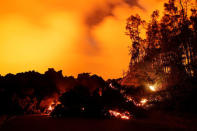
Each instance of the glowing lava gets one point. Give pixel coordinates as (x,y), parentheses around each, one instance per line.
(125,115)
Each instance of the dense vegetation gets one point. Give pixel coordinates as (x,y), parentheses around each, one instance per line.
(164,48)
(166,56)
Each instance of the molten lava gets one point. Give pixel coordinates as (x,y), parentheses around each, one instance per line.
(125,115)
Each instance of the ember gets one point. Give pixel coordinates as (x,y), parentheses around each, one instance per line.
(125,115)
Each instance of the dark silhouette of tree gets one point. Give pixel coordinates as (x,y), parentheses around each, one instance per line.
(193,19)
(75,100)
(153,35)
(32,92)
(169,49)
(134,25)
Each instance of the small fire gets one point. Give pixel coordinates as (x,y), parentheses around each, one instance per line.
(152,88)
(143,101)
(50,108)
(111,86)
(125,115)
(135,102)
(100,92)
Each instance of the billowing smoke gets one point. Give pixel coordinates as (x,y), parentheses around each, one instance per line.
(98,14)
(37,34)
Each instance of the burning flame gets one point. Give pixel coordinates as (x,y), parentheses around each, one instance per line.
(136,103)
(111,86)
(143,101)
(125,115)
(51,107)
(152,88)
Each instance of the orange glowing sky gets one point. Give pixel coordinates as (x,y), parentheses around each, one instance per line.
(71,35)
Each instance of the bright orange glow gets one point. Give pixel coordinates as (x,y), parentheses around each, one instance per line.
(136,103)
(63,34)
(152,88)
(124,115)
(143,101)
(50,108)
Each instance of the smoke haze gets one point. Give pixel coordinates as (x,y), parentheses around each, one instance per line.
(75,36)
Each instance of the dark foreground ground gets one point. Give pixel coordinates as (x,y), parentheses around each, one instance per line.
(45,123)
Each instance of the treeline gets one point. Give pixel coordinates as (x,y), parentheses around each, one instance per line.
(32,92)
(164,49)
(84,96)
(164,55)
